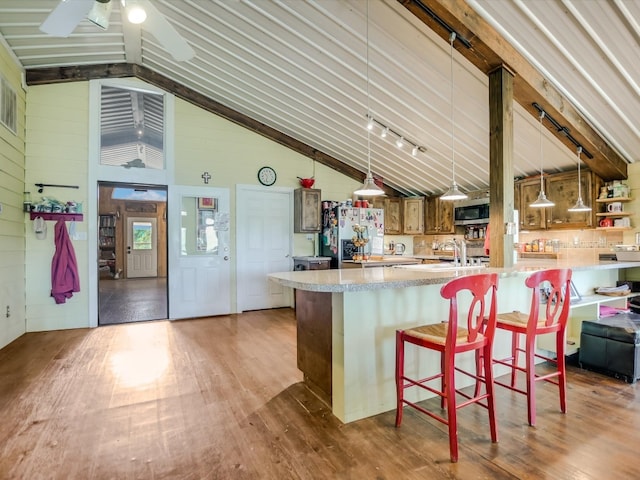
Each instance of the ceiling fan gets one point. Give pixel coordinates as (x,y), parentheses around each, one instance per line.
(69,13)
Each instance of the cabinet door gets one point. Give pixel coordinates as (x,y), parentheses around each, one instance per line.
(306,210)
(413,209)
(393,216)
(431,215)
(530,218)
(445,217)
(562,189)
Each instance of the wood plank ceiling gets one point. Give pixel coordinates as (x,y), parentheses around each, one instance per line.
(307,72)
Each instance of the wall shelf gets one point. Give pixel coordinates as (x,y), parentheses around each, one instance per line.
(67,217)
(613,199)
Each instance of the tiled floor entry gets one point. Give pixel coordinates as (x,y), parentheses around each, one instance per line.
(132,300)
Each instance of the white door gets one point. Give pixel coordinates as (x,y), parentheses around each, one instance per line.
(264,239)
(142,247)
(199,256)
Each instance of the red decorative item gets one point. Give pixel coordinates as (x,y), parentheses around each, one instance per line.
(306,182)
(606,222)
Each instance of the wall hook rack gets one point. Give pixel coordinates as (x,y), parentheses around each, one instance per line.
(42,185)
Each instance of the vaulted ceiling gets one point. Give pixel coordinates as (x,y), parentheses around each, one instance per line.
(306,73)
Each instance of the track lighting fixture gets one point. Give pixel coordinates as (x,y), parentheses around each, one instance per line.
(401,140)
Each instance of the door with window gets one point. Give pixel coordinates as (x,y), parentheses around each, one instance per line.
(199,254)
(142,251)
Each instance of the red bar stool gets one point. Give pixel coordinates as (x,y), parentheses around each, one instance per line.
(450,339)
(552,320)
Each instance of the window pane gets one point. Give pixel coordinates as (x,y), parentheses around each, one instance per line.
(199,227)
(131,128)
(142,235)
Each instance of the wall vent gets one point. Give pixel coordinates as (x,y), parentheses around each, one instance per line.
(8,105)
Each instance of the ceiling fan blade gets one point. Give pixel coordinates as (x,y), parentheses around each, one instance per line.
(164,32)
(65,17)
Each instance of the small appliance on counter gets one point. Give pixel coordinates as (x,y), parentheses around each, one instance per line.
(627,253)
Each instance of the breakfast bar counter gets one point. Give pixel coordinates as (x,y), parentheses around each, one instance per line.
(347,320)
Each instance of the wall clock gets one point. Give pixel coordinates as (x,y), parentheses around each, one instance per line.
(267,176)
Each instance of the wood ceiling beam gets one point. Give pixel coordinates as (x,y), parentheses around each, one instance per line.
(489,50)
(41,76)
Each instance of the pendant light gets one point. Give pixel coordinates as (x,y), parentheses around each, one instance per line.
(369,187)
(542,200)
(454,192)
(579,206)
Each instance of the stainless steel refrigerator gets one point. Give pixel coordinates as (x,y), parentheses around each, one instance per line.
(338,235)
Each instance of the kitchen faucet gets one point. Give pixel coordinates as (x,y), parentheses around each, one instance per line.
(459,251)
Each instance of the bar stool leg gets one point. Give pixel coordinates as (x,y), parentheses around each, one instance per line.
(530,350)
(399,375)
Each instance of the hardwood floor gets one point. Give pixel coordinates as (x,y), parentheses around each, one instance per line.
(221,397)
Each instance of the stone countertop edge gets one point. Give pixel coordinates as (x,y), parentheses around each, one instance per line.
(375,278)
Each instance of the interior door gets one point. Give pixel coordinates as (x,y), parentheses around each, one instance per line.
(142,247)
(199,255)
(264,242)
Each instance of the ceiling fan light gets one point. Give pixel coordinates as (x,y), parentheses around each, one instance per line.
(369,188)
(453,193)
(136,14)
(542,201)
(579,206)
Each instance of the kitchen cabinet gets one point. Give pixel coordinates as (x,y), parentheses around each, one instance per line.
(603,208)
(530,218)
(306,210)
(413,215)
(438,216)
(392,207)
(562,189)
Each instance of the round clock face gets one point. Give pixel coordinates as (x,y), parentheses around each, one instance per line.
(267,176)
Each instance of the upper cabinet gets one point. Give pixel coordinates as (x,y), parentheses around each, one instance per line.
(392,215)
(413,215)
(562,190)
(306,210)
(438,216)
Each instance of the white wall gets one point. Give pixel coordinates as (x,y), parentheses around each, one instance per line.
(12,248)
(57,152)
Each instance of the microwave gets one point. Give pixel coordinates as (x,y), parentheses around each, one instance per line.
(471,212)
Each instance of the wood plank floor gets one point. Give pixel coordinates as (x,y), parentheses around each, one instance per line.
(221,398)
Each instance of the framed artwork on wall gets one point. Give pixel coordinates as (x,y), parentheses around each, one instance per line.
(206,203)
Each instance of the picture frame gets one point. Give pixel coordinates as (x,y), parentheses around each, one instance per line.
(207,203)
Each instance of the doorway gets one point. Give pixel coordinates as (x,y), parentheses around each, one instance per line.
(132,253)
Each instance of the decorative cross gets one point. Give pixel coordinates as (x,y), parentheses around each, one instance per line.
(206,177)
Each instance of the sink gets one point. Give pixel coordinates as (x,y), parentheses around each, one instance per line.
(440,267)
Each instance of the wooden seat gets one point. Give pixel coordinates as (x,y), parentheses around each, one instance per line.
(552,319)
(449,338)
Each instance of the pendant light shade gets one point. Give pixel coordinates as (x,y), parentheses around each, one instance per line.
(368,188)
(579,206)
(454,192)
(542,201)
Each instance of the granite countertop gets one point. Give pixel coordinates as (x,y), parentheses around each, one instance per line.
(362,279)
